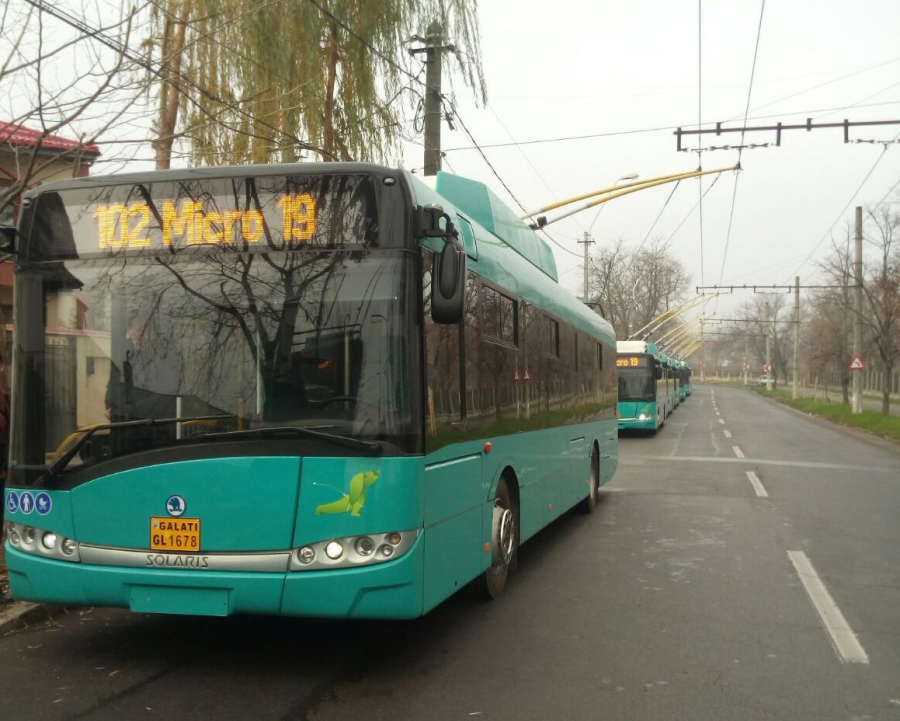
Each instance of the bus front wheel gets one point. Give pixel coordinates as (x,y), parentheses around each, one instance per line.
(504,543)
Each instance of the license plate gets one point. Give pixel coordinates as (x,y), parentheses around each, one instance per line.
(175,534)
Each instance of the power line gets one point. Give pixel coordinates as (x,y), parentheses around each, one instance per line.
(844,209)
(691,211)
(82,26)
(638,131)
(737,176)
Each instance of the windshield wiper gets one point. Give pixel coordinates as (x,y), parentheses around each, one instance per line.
(373,449)
(66,458)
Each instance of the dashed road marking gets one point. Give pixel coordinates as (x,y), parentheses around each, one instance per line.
(722,420)
(737,451)
(727,434)
(757,485)
(847,646)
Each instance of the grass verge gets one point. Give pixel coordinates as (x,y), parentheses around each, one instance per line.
(872,421)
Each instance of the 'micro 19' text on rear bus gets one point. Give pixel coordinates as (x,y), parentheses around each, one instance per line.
(314,390)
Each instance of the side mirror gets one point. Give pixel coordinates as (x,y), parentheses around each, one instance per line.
(659,374)
(448,285)
(8,239)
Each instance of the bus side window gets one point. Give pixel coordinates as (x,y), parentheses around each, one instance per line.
(443,401)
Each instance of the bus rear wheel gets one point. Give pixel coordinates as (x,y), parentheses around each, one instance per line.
(504,543)
(589,504)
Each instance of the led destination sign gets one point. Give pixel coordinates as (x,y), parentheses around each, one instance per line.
(230,213)
(189,223)
(632,361)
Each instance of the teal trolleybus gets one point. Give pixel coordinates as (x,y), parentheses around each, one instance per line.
(647,386)
(323,390)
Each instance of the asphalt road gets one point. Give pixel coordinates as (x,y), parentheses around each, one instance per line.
(677,600)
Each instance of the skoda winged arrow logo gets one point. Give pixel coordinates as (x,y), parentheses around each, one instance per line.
(175,505)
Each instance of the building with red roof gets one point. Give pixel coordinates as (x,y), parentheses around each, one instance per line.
(58,158)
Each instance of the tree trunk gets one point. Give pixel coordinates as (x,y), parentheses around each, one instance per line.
(172,52)
(328,139)
(886,390)
(845,386)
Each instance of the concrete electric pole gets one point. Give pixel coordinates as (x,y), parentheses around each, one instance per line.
(857,315)
(768,360)
(434,47)
(796,364)
(587,242)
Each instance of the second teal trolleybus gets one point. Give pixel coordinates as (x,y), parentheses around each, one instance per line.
(647,386)
(315,390)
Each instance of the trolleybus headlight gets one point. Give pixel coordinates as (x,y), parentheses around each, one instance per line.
(643,417)
(68,546)
(306,555)
(365,546)
(334,550)
(394,538)
(387,551)
(12,533)
(48,540)
(28,535)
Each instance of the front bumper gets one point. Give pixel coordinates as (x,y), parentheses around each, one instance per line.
(386,590)
(635,424)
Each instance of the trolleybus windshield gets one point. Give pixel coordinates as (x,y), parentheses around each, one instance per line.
(289,329)
(636,377)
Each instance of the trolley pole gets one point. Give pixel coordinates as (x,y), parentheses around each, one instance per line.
(768,360)
(796,364)
(587,242)
(434,42)
(857,316)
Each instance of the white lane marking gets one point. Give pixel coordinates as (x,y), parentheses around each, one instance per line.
(727,434)
(737,451)
(718,414)
(844,640)
(757,485)
(721,420)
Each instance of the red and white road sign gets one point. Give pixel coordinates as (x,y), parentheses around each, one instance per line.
(516,376)
(746,366)
(857,364)
(527,375)
(767,368)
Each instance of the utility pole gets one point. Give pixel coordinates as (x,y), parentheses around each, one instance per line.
(434,47)
(768,360)
(587,242)
(857,317)
(796,369)
(746,360)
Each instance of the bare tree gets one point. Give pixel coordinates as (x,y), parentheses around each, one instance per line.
(882,294)
(633,287)
(57,80)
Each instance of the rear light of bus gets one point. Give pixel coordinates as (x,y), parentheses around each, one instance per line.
(41,543)
(353,551)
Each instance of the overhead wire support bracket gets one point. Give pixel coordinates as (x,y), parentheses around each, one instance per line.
(701,289)
(778,129)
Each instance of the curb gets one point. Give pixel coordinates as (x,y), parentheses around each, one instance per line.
(20,614)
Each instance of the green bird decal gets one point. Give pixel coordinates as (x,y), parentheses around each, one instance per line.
(354,501)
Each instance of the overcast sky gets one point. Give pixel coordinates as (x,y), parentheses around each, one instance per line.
(577,68)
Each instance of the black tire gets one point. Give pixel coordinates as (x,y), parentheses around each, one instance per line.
(589,504)
(504,544)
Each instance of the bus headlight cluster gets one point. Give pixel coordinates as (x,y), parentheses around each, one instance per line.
(643,417)
(353,551)
(41,543)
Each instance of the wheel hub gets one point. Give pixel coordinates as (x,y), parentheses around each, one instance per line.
(503,535)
